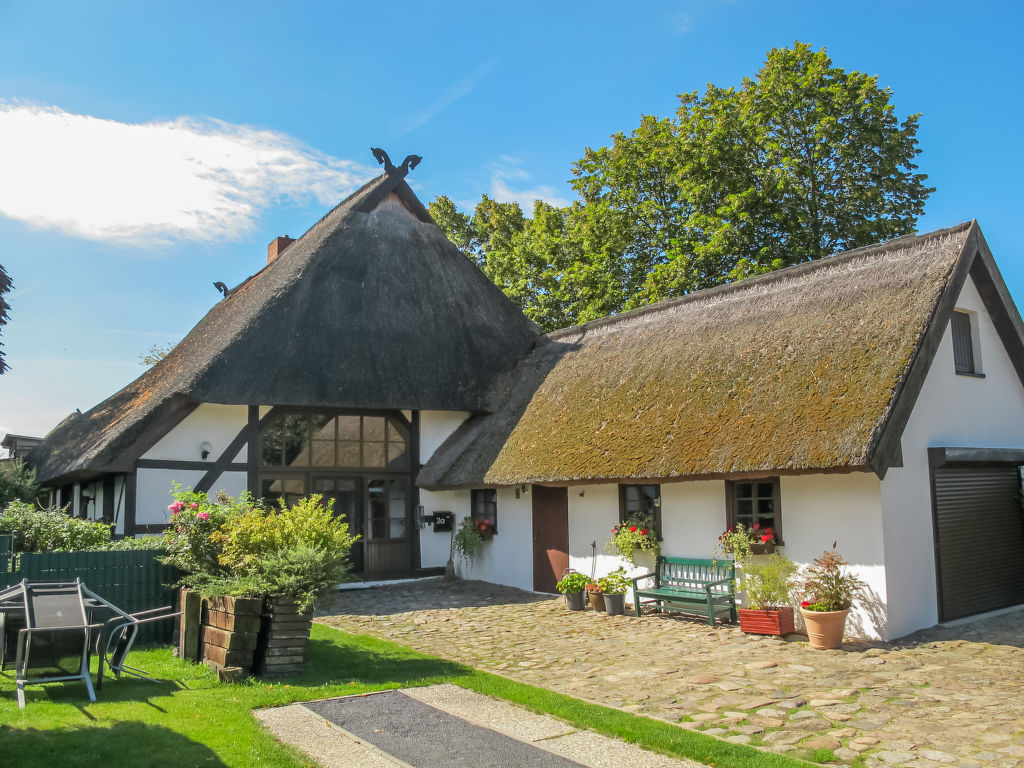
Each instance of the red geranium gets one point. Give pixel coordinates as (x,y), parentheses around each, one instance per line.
(632,529)
(643,532)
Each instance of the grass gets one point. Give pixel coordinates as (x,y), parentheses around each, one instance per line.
(196,721)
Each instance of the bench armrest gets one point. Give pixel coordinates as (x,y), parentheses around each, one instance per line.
(716,583)
(641,577)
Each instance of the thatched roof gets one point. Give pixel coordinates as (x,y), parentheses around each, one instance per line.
(797,370)
(372,308)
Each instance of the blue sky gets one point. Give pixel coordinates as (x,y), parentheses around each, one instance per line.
(148,150)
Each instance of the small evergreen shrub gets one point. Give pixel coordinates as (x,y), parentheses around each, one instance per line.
(50,529)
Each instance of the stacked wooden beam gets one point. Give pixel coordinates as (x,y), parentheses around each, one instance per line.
(283,637)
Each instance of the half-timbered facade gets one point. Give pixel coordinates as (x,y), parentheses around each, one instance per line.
(875,399)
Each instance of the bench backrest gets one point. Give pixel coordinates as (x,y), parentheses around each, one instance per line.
(693,573)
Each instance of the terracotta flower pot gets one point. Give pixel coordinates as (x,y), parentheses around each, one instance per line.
(596,600)
(777,622)
(825,628)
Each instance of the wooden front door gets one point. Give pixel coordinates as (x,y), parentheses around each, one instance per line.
(550,536)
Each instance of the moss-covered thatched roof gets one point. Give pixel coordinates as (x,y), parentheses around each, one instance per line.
(797,370)
(372,308)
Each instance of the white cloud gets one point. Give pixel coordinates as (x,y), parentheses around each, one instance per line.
(189,178)
(506,172)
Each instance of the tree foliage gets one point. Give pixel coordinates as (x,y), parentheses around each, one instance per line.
(803,160)
(155,354)
(5,286)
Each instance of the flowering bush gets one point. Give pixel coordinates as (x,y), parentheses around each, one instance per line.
(737,539)
(635,533)
(827,587)
(236,546)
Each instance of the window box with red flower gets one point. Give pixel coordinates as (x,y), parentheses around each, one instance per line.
(637,532)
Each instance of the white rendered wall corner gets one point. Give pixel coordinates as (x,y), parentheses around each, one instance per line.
(951,411)
(153,490)
(209,423)
(435,428)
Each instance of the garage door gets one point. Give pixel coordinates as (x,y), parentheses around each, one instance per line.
(980,530)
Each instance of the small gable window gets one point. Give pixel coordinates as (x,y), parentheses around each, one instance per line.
(641,501)
(485,511)
(964,357)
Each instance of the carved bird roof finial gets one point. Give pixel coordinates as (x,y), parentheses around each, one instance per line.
(410,162)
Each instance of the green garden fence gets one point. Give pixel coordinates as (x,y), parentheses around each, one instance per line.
(133,580)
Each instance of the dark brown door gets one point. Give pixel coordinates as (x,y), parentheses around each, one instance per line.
(550,536)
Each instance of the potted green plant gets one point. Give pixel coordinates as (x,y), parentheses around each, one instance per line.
(741,542)
(829,593)
(767,583)
(614,587)
(467,541)
(572,585)
(636,533)
(596,595)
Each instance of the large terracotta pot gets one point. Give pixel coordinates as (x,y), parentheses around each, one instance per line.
(776,622)
(825,628)
(596,600)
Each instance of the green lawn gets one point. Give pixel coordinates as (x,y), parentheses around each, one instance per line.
(196,721)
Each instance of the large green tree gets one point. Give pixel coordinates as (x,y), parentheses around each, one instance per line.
(803,160)
(5,286)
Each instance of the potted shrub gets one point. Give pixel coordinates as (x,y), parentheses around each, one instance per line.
(742,542)
(572,585)
(636,533)
(467,541)
(829,593)
(596,595)
(614,587)
(767,582)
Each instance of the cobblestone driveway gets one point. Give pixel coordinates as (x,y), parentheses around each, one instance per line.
(940,697)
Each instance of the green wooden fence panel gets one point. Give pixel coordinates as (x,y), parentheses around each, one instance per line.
(132,580)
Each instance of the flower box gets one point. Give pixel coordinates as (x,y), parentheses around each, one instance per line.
(762,548)
(774,622)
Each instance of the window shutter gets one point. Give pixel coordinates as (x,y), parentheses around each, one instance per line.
(963,348)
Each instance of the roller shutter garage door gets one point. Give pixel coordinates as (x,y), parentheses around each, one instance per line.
(979,527)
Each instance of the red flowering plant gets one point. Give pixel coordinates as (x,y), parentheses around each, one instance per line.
(737,539)
(828,585)
(191,540)
(637,532)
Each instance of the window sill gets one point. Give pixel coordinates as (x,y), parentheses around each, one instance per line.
(971,375)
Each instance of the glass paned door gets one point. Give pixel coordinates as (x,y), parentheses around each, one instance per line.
(347,493)
(387,542)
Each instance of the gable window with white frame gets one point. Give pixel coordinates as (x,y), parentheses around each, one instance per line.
(965,356)
(755,503)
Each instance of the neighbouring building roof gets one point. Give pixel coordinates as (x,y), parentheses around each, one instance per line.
(372,308)
(811,368)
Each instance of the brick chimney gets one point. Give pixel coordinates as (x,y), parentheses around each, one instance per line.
(277,246)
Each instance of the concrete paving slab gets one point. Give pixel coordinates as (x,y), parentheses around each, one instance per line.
(462,728)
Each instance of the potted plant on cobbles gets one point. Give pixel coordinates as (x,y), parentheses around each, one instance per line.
(636,533)
(596,595)
(467,541)
(767,583)
(614,587)
(572,585)
(829,593)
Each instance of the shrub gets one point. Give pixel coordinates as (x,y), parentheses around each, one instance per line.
(17,482)
(572,582)
(50,529)
(615,583)
(468,541)
(236,546)
(827,587)
(767,581)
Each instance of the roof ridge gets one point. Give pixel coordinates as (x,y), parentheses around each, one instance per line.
(775,276)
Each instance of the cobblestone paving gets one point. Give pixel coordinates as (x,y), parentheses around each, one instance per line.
(942,697)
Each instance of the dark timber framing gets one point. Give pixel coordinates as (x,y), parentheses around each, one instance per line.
(224,463)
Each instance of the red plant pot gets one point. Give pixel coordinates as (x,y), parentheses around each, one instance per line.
(773,622)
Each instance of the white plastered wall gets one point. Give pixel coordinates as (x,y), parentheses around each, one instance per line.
(951,411)
(435,428)
(209,423)
(153,490)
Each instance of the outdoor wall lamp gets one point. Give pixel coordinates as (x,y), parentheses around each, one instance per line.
(205,450)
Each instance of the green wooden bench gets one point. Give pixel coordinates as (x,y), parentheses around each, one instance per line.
(690,585)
